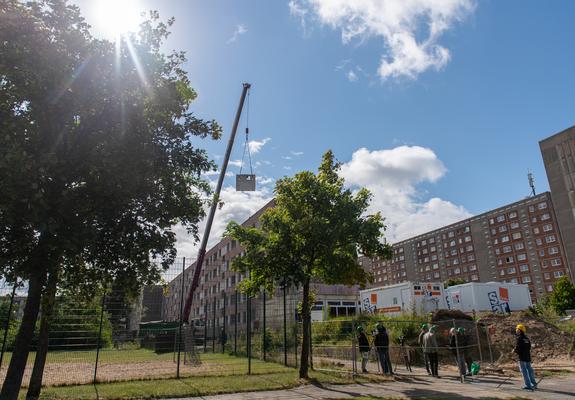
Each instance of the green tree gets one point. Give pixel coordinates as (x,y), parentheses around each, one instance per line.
(314,233)
(563,296)
(453,282)
(98,157)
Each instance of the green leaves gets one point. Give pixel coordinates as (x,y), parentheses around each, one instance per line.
(563,296)
(315,232)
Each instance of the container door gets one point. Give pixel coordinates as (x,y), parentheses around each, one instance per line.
(406,299)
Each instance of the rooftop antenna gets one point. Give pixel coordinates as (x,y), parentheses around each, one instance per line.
(531,183)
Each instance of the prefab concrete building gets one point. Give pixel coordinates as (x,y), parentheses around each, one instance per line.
(489,296)
(406,297)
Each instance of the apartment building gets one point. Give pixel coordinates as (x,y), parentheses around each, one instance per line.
(518,243)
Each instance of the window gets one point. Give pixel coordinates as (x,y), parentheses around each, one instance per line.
(549,288)
(524,268)
(395,300)
(473,267)
(547,227)
(452,243)
(544,264)
(455,261)
(514,225)
(546,276)
(509,259)
(558,274)
(542,205)
(434,257)
(519,246)
(531,209)
(491,221)
(471,257)
(536,230)
(453,252)
(522,257)
(435,266)
(505,239)
(511,270)
(451,234)
(497,251)
(436,274)
(506,249)
(469,248)
(457,271)
(500,218)
(502,272)
(513,280)
(550,239)
(512,214)
(432,249)
(467,239)
(503,228)
(538,242)
(553,250)
(556,262)
(526,279)
(545,217)
(516,235)
(493,231)
(474,277)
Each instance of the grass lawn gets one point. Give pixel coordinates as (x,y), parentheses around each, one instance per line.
(193,386)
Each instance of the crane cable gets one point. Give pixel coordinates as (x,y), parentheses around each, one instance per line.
(247,142)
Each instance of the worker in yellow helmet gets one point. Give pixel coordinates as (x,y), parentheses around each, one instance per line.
(523,350)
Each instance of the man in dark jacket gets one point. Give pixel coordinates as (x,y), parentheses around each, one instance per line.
(363,344)
(424,330)
(381,343)
(523,350)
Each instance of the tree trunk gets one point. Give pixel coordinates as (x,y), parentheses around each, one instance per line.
(305,345)
(43,337)
(15,372)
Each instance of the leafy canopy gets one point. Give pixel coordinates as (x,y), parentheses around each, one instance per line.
(563,296)
(314,232)
(98,148)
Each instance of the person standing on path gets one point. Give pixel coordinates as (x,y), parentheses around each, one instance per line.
(223,339)
(424,330)
(523,350)
(364,347)
(455,346)
(381,343)
(430,349)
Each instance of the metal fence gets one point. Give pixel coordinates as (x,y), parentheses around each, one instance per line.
(116,338)
(335,346)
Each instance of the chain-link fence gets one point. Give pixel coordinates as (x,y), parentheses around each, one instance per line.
(116,337)
(457,344)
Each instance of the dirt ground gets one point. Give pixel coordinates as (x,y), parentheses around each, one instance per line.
(550,346)
(70,373)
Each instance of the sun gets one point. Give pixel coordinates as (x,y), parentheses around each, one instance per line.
(113,18)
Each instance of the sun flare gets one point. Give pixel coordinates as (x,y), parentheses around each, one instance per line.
(113,18)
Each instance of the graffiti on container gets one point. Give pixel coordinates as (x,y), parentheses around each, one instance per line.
(499,302)
(367,306)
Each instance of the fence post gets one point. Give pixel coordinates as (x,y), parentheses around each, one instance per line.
(353,354)
(478,341)
(310,345)
(236,325)
(214,326)
(7,326)
(249,333)
(488,334)
(181,317)
(264,343)
(224,324)
(99,338)
(296,327)
(285,327)
(457,354)
(206,326)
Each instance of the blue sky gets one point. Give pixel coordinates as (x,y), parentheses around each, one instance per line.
(469,123)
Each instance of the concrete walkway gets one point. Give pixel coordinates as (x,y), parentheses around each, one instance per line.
(561,387)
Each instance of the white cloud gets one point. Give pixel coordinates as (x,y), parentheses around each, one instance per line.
(235,163)
(287,167)
(286,157)
(410,29)
(296,153)
(238,206)
(255,146)
(392,176)
(351,76)
(240,30)
(300,12)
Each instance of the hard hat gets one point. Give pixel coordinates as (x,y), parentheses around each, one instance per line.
(424,326)
(520,327)
(360,328)
(460,330)
(379,327)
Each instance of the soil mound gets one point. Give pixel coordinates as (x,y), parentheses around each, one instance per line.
(548,342)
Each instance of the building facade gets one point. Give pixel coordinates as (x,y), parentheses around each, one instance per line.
(517,243)
(558,152)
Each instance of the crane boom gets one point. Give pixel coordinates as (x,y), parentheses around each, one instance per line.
(215,201)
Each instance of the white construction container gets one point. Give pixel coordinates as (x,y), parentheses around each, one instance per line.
(407,297)
(489,296)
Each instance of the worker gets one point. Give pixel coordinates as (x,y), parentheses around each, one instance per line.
(523,350)
(463,340)
(381,343)
(364,347)
(455,346)
(430,349)
(424,329)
